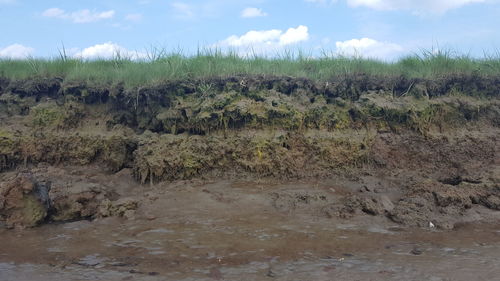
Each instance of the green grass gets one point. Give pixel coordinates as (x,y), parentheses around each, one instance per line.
(160,66)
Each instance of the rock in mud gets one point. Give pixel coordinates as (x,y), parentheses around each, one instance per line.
(492,202)
(124,207)
(23,201)
(416,251)
(452,197)
(376,205)
(76,201)
(414,210)
(386,203)
(27,202)
(444,204)
(372,205)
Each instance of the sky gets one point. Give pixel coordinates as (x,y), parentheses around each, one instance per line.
(382,29)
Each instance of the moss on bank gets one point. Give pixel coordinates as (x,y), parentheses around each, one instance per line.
(262,125)
(58,148)
(279,154)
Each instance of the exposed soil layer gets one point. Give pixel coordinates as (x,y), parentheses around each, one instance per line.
(52,120)
(202,106)
(438,137)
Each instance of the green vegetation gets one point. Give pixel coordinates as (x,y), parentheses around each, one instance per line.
(160,66)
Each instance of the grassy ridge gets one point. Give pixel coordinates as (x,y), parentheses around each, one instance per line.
(159,67)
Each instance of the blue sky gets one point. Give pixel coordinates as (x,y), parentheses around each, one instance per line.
(384,29)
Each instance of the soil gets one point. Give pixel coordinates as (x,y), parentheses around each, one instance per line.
(250,178)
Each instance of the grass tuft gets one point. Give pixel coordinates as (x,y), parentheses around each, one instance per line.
(159,65)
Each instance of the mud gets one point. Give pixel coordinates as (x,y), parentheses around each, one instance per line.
(240,230)
(250,177)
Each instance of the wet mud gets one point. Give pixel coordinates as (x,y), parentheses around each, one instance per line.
(230,230)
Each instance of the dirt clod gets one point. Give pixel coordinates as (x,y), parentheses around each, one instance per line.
(24,202)
(124,207)
(77,201)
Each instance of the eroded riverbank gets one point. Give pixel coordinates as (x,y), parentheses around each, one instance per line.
(250,178)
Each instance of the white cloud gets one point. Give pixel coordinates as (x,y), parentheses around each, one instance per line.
(81,16)
(370,48)
(107,51)
(252,13)
(16,51)
(264,41)
(133,17)
(419,6)
(183,10)
(266,37)
(295,35)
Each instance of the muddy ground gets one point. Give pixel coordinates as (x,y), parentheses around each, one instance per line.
(258,230)
(251,178)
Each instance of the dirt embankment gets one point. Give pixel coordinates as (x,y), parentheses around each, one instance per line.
(435,140)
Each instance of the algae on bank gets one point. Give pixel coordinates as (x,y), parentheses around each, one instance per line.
(262,125)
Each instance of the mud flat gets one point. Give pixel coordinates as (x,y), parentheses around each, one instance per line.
(251,178)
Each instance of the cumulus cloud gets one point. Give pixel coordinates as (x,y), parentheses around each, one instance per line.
(107,51)
(436,6)
(370,48)
(252,13)
(295,35)
(266,37)
(81,16)
(264,41)
(16,51)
